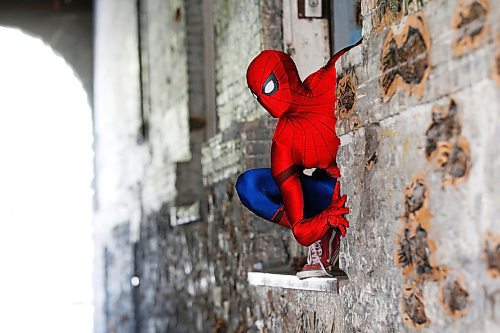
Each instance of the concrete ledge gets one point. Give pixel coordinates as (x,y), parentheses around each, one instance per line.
(287,281)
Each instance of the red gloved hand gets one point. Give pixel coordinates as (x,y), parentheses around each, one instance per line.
(337,210)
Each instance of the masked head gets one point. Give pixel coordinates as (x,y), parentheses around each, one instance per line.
(272,78)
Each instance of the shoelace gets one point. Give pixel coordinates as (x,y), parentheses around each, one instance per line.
(314,255)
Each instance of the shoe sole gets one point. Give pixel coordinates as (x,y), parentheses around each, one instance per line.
(312,273)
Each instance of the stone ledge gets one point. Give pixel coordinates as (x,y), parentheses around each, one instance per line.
(287,281)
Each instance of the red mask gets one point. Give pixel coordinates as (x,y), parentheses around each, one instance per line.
(273,79)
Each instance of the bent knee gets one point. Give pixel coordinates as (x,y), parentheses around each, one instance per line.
(245,187)
(242,184)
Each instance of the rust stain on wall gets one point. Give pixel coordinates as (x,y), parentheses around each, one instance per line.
(457,167)
(414,246)
(444,126)
(454,297)
(491,254)
(412,307)
(469,25)
(414,255)
(445,147)
(405,59)
(346,96)
(416,195)
(416,203)
(345,107)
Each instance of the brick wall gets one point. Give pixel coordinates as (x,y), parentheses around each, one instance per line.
(237,38)
(415,161)
(418,124)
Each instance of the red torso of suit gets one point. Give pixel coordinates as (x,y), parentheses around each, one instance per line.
(306,132)
(305,135)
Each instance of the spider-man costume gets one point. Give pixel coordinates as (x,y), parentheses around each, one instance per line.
(304,138)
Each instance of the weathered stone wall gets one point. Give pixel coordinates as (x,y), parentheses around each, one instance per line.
(419,128)
(419,122)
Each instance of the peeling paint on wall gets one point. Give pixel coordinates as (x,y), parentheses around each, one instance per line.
(445,147)
(414,256)
(413,308)
(345,108)
(454,297)
(346,96)
(444,126)
(491,254)
(414,246)
(417,201)
(457,166)
(405,59)
(469,25)
(416,195)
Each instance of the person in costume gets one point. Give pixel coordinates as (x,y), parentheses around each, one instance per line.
(304,138)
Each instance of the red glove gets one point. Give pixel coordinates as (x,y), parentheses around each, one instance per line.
(337,210)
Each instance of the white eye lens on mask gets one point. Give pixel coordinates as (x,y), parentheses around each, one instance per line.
(254,95)
(271,85)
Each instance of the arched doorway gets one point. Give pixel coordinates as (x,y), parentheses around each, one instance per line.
(46,170)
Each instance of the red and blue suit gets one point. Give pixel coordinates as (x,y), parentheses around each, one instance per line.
(304,138)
